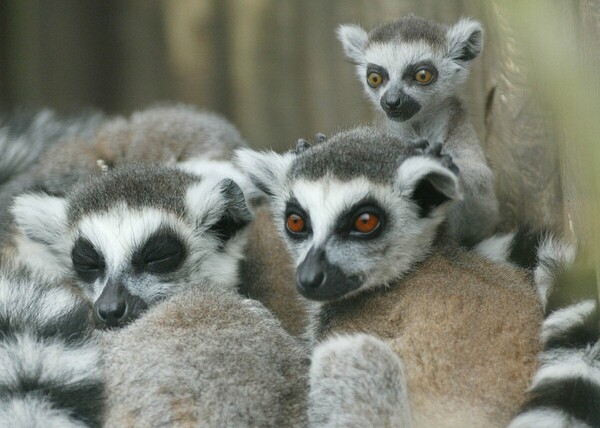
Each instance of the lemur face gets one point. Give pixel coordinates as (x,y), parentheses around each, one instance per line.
(354,222)
(132,250)
(411,64)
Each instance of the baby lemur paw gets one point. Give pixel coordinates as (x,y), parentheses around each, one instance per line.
(434,150)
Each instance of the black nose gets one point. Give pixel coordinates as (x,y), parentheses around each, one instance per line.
(311,273)
(391,103)
(114,306)
(111,313)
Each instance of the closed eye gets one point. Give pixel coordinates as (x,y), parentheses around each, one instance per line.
(88,263)
(163,252)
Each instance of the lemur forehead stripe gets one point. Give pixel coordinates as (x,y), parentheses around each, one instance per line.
(409,29)
(364,151)
(151,186)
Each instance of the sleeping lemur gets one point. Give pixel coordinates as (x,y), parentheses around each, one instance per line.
(363,215)
(413,72)
(167,243)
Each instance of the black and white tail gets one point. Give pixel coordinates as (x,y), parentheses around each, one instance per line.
(49,365)
(565,391)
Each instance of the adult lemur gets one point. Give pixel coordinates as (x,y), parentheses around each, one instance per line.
(363,216)
(413,71)
(50,156)
(160,240)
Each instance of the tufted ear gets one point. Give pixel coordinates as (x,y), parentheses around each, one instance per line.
(41,217)
(354,40)
(465,40)
(429,184)
(267,170)
(220,206)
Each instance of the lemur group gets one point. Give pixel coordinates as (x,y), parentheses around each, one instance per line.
(155,271)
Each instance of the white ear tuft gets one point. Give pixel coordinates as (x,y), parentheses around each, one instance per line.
(41,217)
(465,40)
(354,40)
(267,170)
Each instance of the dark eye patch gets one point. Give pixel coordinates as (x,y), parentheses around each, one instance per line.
(374,68)
(411,70)
(227,227)
(88,263)
(293,207)
(163,252)
(345,225)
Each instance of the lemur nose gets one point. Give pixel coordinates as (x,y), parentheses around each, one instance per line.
(112,313)
(392,103)
(308,279)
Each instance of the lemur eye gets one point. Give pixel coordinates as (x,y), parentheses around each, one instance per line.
(374,79)
(87,262)
(366,223)
(295,224)
(424,76)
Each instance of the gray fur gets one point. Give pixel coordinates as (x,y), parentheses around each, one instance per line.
(157,135)
(408,29)
(442,116)
(357,381)
(118,212)
(373,167)
(207,357)
(49,363)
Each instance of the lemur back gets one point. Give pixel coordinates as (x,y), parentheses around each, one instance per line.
(364,216)
(413,71)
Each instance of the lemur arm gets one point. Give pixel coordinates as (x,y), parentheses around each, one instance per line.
(357,381)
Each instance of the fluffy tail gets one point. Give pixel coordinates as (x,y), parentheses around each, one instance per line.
(565,391)
(25,136)
(49,366)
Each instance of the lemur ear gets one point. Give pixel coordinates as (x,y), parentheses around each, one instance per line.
(428,183)
(354,40)
(267,170)
(465,40)
(219,205)
(41,217)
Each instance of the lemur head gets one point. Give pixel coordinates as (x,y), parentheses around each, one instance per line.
(138,234)
(358,210)
(412,64)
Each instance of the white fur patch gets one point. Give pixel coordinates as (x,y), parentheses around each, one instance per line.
(267,170)
(496,248)
(563,319)
(553,252)
(35,412)
(546,418)
(40,217)
(354,40)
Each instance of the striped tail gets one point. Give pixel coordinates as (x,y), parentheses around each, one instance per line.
(49,365)
(565,391)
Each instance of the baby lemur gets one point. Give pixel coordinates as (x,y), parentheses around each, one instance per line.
(413,72)
(363,215)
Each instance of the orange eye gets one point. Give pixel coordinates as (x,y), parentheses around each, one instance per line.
(366,223)
(374,79)
(424,76)
(295,223)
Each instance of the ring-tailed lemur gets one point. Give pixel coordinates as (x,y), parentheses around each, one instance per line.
(362,214)
(138,234)
(413,71)
(91,145)
(49,363)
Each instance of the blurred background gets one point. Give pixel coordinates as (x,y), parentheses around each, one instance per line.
(275,68)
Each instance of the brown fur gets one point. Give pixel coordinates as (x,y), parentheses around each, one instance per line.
(206,357)
(467,331)
(268,274)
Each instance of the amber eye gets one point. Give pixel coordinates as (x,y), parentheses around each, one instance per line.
(374,79)
(366,223)
(424,76)
(295,223)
